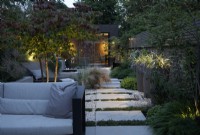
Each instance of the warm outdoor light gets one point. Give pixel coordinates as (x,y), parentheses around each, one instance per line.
(30,57)
(131,42)
(130,39)
(103,48)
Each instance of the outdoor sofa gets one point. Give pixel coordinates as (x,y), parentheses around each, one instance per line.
(42,109)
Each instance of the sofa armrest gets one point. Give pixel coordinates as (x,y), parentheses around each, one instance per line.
(78,106)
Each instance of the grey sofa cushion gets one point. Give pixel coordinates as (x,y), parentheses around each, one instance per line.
(60,102)
(37,74)
(34,125)
(27,90)
(20,106)
(67,80)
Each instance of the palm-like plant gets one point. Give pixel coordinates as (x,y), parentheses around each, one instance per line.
(152,60)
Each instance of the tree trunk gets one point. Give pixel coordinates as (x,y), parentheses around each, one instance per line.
(56,70)
(197,92)
(41,68)
(47,68)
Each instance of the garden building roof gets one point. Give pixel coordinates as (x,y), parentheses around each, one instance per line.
(190,35)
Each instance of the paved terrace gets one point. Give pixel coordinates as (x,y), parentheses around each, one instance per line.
(112,96)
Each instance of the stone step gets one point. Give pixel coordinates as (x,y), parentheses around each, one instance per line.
(110,85)
(114,80)
(119,93)
(99,96)
(119,130)
(112,90)
(115,116)
(118,104)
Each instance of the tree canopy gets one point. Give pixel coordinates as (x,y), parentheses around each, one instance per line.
(44,28)
(163,19)
(109,14)
(173,24)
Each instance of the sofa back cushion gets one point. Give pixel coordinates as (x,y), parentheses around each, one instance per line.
(27,90)
(60,102)
(23,106)
(30,90)
(37,74)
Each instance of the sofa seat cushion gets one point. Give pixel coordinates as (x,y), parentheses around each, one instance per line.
(34,125)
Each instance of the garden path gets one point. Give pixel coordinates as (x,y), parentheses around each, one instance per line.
(112,105)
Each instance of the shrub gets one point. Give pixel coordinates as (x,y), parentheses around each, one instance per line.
(176,83)
(152,60)
(11,70)
(173,118)
(122,71)
(94,77)
(153,110)
(159,93)
(129,83)
(10,66)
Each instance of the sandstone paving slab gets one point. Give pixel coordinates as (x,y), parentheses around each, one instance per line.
(111,90)
(133,93)
(115,116)
(91,97)
(110,96)
(119,130)
(107,69)
(118,104)
(90,116)
(119,115)
(114,80)
(110,85)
